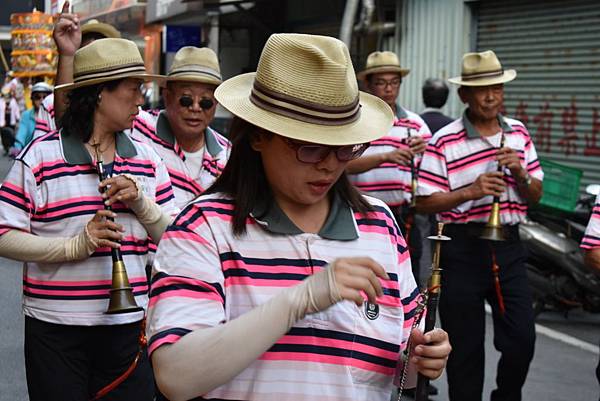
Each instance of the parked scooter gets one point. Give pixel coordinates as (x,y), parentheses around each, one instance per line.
(555,267)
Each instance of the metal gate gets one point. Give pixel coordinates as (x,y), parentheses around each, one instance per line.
(555,48)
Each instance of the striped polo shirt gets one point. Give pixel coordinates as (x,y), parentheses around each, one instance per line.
(391,182)
(44,121)
(591,239)
(187,185)
(52,191)
(204,276)
(457,154)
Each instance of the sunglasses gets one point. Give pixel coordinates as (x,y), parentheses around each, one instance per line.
(188,101)
(309,153)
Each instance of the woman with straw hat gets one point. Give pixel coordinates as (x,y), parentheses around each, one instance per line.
(282,281)
(52,217)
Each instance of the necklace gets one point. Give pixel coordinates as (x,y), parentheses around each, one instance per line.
(98,149)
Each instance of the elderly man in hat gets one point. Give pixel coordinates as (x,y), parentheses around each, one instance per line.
(481,165)
(194,153)
(69,36)
(388,166)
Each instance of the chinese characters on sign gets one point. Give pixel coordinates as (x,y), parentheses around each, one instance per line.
(567,140)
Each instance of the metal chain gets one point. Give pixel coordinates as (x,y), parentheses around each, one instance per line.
(406,354)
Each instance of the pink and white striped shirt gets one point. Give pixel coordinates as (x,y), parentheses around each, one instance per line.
(591,239)
(203,276)
(391,182)
(457,154)
(52,191)
(187,185)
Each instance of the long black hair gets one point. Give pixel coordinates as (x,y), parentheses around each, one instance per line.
(245,181)
(78,118)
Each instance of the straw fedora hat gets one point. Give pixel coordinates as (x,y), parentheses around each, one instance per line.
(305,88)
(106,60)
(482,69)
(196,65)
(106,30)
(380,62)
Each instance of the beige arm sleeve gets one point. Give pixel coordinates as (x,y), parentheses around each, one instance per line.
(154,220)
(28,247)
(207,358)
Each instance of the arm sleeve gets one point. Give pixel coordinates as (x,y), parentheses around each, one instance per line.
(433,174)
(187,311)
(155,214)
(27,247)
(17,205)
(152,217)
(591,238)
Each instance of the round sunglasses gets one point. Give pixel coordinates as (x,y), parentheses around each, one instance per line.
(313,153)
(188,101)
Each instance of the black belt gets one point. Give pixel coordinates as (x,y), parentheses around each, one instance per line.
(474,230)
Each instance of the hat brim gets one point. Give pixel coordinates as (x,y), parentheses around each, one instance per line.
(361,76)
(101,28)
(375,118)
(75,85)
(507,76)
(203,79)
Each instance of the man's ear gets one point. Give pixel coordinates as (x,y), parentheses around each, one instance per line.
(463,94)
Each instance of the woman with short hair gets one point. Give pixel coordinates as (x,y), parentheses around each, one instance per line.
(283,282)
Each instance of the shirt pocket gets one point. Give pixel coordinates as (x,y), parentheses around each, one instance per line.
(376,346)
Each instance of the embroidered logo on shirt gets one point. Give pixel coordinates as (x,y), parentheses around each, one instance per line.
(371,310)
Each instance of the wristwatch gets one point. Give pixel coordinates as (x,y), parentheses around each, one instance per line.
(526,181)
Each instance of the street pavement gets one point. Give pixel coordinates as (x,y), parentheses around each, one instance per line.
(562,370)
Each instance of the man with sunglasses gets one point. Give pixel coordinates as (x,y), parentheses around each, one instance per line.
(39,91)
(385,170)
(194,153)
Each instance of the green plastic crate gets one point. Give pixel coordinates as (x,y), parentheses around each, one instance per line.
(561,186)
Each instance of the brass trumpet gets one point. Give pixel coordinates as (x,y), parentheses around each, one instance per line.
(433,295)
(493,230)
(121,293)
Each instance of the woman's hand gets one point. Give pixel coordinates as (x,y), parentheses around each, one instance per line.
(121,188)
(355,276)
(102,232)
(430,352)
(344,279)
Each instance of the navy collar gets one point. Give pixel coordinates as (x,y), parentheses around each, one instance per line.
(164,132)
(74,151)
(340,224)
(472,132)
